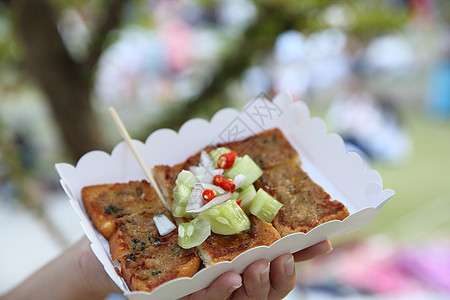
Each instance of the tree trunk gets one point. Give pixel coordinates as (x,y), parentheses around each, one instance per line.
(64,81)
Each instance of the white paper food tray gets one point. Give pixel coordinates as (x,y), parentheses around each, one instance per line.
(342,174)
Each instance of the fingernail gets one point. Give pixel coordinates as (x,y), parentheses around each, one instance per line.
(289,266)
(264,276)
(237,284)
(235,287)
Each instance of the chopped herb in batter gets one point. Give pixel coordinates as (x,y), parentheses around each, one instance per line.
(111,209)
(176,251)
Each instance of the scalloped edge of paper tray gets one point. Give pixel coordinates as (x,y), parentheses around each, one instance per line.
(342,174)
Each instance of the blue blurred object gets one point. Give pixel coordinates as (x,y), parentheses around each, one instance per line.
(439,92)
(116,297)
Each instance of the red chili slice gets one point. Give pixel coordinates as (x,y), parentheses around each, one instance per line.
(239,202)
(226,160)
(228,185)
(208,195)
(224,183)
(218,180)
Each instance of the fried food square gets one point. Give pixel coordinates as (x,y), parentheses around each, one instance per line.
(148,259)
(106,202)
(219,248)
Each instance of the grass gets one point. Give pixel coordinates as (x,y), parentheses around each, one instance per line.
(421,206)
(420,210)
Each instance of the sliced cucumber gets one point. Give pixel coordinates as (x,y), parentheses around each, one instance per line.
(265,206)
(247,196)
(216,153)
(193,233)
(187,178)
(227,218)
(246,166)
(181,195)
(235,196)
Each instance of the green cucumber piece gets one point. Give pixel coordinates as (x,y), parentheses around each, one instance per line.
(181,195)
(235,196)
(227,218)
(246,166)
(216,153)
(265,206)
(187,178)
(247,196)
(193,233)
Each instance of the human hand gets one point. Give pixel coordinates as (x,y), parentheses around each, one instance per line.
(261,280)
(94,277)
(78,274)
(75,274)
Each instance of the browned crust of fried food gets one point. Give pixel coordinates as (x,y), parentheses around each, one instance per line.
(146,258)
(165,177)
(290,219)
(218,247)
(143,274)
(305,203)
(106,202)
(136,232)
(268,149)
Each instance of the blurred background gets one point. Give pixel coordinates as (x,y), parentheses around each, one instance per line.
(378,73)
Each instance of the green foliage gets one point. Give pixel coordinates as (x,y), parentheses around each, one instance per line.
(375,18)
(443,10)
(11,54)
(363,18)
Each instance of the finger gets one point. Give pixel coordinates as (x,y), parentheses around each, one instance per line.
(94,274)
(220,289)
(256,282)
(313,251)
(282,276)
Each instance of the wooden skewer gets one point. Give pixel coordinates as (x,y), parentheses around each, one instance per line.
(124,133)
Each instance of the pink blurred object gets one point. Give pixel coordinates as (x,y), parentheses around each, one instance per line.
(381,266)
(178,38)
(371,266)
(430,264)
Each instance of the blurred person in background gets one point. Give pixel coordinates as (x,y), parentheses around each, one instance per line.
(369,125)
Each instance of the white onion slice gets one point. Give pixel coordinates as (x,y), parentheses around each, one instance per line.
(163,224)
(196,199)
(205,175)
(198,171)
(239,180)
(205,171)
(206,161)
(198,185)
(217,200)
